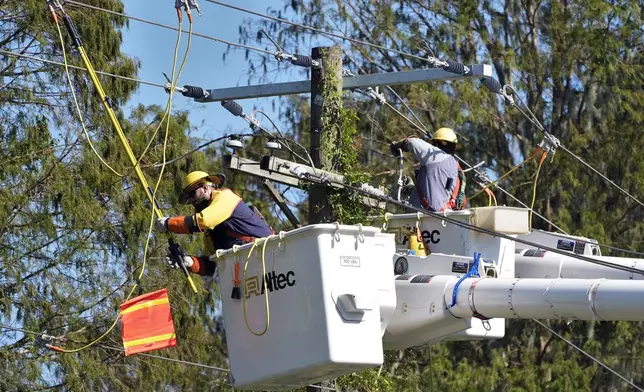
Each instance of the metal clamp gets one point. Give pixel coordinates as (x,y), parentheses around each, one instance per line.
(188,5)
(378,97)
(549,144)
(54,5)
(591,297)
(470,299)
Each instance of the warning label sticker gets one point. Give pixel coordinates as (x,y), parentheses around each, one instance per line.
(350,261)
(460,266)
(566,245)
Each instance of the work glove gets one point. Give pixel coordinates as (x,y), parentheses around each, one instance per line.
(187,261)
(395,146)
(162,224)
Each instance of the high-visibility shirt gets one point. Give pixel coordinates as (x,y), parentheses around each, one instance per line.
(225,222)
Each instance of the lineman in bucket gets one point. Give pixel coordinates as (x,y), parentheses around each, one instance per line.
(220,214)
(440,181)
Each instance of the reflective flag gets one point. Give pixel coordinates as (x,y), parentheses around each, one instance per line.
(147,323)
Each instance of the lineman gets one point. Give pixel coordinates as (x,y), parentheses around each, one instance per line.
(220,214)
(440,181)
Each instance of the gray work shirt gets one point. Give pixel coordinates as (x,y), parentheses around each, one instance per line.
(436,168)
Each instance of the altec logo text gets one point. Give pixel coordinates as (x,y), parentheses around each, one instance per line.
(274,282)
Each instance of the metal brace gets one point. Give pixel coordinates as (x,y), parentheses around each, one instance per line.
(54,5)
(436,62)
(253,122)
(188,5)
(507,97)
(373,93)
(482,177)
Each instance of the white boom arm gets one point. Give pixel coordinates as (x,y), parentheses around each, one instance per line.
(541,264)
(580,299)
(423,313)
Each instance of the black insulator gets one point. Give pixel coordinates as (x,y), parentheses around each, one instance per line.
(193,92)
(304,61)
(453,66)
(492,84)
(233,107)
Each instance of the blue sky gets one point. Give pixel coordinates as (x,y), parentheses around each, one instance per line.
(154,48)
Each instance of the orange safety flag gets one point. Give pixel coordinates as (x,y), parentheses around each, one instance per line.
(147,323)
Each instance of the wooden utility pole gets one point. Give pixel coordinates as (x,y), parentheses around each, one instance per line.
(326,105)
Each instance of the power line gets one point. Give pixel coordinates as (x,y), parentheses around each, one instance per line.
(600,363)
(187,363)
(340,36)
(424,130)
(320,31)
(602,175)
(223,41)
(206,144)
(18,55)
(532,118)
(327,182)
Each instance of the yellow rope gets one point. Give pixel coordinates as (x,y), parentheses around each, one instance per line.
(268,317)
(154,209)
(78,111)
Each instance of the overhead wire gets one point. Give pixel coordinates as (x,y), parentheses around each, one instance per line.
(319,31)
(199,147)
(24,56)
(424,130)
(77,106)
(223,41)
(532,118)
(46,337)
(597,361)
(54,7)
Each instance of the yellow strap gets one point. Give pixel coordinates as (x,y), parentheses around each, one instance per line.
(152,339)
(144,305)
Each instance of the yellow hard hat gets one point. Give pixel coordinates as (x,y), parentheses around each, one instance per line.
(195,178)
(445,134)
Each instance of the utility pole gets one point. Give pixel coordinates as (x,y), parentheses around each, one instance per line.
(326,104)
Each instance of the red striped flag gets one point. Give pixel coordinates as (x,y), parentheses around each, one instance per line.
(147,323)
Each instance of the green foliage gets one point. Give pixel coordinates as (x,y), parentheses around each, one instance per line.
(346,204)
(578,67)
(72,234)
